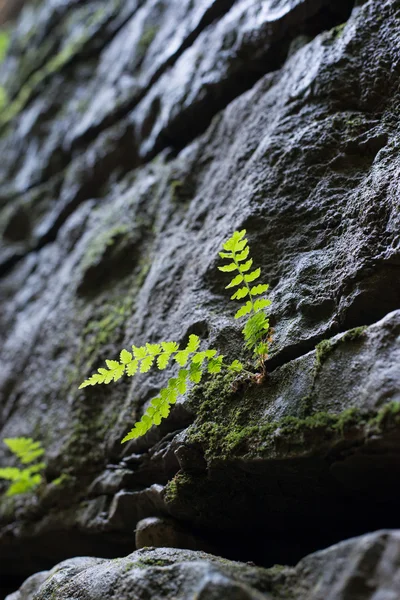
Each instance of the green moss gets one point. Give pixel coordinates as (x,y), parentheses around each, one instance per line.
(326,347)
(147,38)
(99,244)
(175,186)
(52,66)
(337,32)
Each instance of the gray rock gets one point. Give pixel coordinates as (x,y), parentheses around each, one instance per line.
(363,568)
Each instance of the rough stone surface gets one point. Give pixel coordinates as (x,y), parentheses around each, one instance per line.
(136,136)
(365,567)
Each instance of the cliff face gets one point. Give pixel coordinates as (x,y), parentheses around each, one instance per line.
(137,136)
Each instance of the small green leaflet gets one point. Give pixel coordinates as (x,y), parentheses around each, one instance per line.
(163,360)
(228,268)
(10,473)
(246,266)
(169,347)
(236,281)
(252,276)
(244,310)
(125,357)
(182,357)
(146,364)
(131,368)
(243,255)
(25,449)
(215,365)
(258,289)
(240,294)
(139,352)
(236,366)
(261,303)
(195,372)
(193,343)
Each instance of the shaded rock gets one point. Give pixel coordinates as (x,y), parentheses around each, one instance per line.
(361,568)
(167,533)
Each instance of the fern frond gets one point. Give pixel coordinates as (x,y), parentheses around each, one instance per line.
(24,485)
(255,329)
(25,449)
(257,324)
(23,480)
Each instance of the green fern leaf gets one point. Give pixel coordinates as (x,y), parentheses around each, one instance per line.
(252,276)
(215,365)
(132,367)
(244,310)
(93,380)
(240,293)
(226,254)
(169,347)
(139,352)
(153,349)
(112,364)
(163,360)
(193,343)
(259,289)
(233,240)
(181,383)
(125,357)
(210,353)
(236,366)
(195,373)
(261,303)
(199,357)
(243,255)
(236,281)
(10,473)
(228,268)
(146,364)
(24,485)
(246,266)
(240,247)
(25,449)
(262,349)
(182,357)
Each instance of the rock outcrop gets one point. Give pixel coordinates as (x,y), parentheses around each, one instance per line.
(137,135)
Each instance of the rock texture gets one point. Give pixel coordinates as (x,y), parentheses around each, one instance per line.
(136,136)
(365,567)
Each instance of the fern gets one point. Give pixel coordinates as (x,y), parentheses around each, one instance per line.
(193,364)
(256,328)
(190,362)
(27,479)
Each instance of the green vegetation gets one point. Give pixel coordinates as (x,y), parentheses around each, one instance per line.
(195,363)
(4,43)
(25,479)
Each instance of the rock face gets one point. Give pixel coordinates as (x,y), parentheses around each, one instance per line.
(136,136)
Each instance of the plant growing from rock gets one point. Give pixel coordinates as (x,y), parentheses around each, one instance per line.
(26,479)
(194,363)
